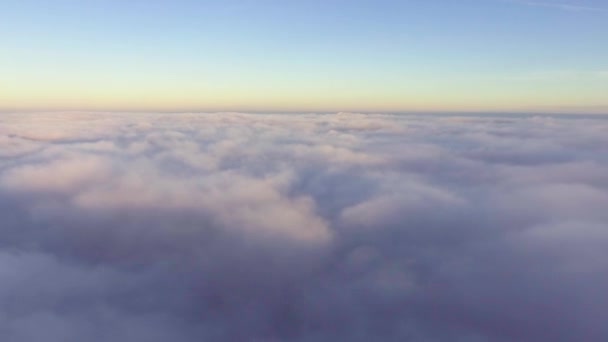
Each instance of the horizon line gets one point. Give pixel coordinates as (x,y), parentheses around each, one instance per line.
(319,112)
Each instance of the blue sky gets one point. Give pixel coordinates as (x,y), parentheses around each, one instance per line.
(383,55)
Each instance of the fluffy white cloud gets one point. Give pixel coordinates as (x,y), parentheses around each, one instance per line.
(343,227)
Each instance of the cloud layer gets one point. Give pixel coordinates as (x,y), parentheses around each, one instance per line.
(343,227)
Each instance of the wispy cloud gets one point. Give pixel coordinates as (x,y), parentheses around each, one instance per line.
(557,75)
(561,6)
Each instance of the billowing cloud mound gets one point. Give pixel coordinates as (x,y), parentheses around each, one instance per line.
(346,227)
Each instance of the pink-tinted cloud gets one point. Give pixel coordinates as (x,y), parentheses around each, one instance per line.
(343,227)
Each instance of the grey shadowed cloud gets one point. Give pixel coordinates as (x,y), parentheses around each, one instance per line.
(344,227)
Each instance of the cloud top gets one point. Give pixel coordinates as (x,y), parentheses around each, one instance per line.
(309,227)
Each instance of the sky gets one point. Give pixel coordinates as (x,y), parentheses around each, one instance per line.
(313,55)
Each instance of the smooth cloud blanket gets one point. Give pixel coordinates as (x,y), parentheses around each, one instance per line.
(343,227)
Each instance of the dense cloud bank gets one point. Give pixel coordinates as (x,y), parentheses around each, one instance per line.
(346,227)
